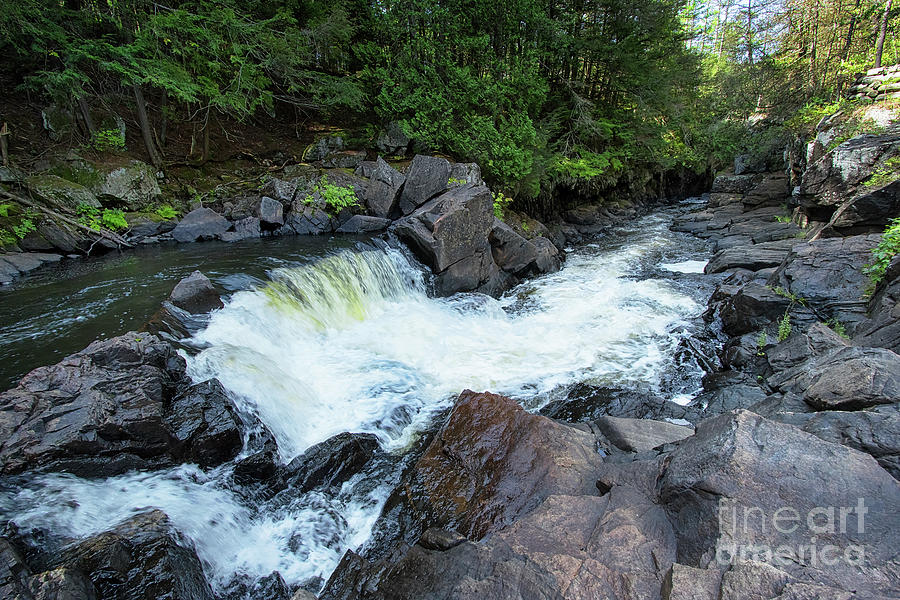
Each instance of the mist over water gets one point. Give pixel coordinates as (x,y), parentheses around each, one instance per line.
(353,343)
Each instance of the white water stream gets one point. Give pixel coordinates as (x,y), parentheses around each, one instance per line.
(353,343)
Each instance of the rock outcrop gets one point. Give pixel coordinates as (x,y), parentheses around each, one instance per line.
(119,404)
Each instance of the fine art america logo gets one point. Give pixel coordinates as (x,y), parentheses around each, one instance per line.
(816,537)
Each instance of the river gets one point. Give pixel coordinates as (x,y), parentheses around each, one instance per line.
(329,337)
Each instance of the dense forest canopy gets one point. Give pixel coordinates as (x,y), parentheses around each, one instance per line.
(539,92)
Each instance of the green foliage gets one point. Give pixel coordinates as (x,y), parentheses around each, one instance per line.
(838,327)
(887,248)
(455,182)
(501,202)
(761,340)
(111,219)
(4,209)
(166,212)
(24,227)
(335,197)
(794,298)
(784,326)
(783,218)
(108,139)
(888,172)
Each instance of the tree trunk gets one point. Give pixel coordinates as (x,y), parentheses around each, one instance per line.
(86,115)
(146,132)
(879,46)
(847,42)
(4,146)
(750,31)
(163,105)
(206,137)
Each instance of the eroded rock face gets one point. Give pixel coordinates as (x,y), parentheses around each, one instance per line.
(119,404)
(427,176)
(384,187)
(144,557)
(883,327)
(133,186)
(450,235)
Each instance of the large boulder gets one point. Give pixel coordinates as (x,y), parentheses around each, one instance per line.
(119,404)
(750,308)
(60,193)
(392,140)
(883,326)
(747,487)
(751,257)
(450,235)
(384,189)
(309,220)
(639,435)
(427,177)
(827,182)
(512,253)
(361,224)
(773,189)
(246,228)
(493,462)
(134,187)
(270,212)
(845,378)
(200,224)
(144,557)
(329,463)
(827,274)
(195,294)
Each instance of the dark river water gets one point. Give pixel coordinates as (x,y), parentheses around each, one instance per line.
(62,308)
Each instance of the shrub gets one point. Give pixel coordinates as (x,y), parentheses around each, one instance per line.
(887,248)
(111,219)
(784,327)
(336,197)
(500,203)
(108,139)
(165,211)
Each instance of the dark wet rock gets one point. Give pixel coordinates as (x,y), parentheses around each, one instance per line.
(828,275)
(360,224)
(143,228)
(883,326)
(549,258)
(61,584)
(491,446)
(365,169)
(846,378)
(427,177)
(13,264)
(751,308)
(200,224)
(111,408)
(512,253)
(384,188)
(753,258)
(329,463)
(144,557)
(586,402)
(14,572)
(271,587)
(741,461)
(246,228)
(392,140)
(450,235)
(639,435)
(270,212)
(204,424)
(196,294)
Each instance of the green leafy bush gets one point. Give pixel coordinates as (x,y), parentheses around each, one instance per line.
(887,248)
(108,139)
(837,327)
(887,173)
(111,219)
(784,326)
(4,209)
(25,227)
(336,197)
(500,204)
(165,211)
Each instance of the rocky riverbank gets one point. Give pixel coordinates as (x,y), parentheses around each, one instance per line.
(779,480)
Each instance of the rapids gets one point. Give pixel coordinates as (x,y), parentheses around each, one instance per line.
(353,342)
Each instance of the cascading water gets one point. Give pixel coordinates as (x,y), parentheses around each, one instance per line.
(354,343)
